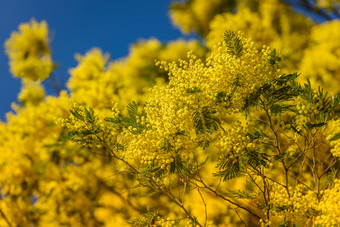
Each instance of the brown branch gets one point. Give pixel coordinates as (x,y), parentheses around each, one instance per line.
(6,219)
(205,207)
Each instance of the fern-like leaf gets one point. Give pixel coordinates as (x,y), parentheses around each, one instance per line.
(234,44)
(132,109)
(205,122)
(241,194)
(228,168)
(273,58)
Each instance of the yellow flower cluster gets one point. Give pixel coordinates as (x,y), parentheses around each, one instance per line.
(42,165)
(91,130)
(137,73)
(333,129)
(272,24)
(50,183)
(246,21)
(308,112)
(235,139)
(323,71)
(32,93)
(29,52)
(303,117)
(298,207)
(98,82)
(329,206)
(195,15)
(23,144)
(91,82)
(164,222)
(194,87)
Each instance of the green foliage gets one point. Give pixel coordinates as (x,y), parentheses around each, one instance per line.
(331,175)
(274,93)
(205,122)
(166,146)
(335,104)
(335,137)
(190,167)
(194,90)
(177,165)
(153,170)
(229,167)
(234,44)
(256,159)
(88,117)
(241,194)
(146,219)
(130,121)
(282,156)
(225,97)
(273,58)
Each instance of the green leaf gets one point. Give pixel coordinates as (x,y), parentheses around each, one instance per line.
(90,116)
(69,136)
(153,170)
(281,156)
(331,175)
(280,108)
(131,120)
(194,90)
(255,158)
(234,44)
(224,96)
(180,132)
(253,98)
(149,194)
(273,58)
(335,101)
(283,79)
(228,168)
(145,219)
(202,163)
(176,165)
(166,145)
(335,137)
(315,125)
(76,114)
(250,185)
(205,122)
(132,109)
(241,194)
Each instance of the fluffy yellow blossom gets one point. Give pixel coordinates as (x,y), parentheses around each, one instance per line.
(246,21)
(329,206)
(334,131)
(195,15)
(99,83)
(91,82)
(299,206)
(32,93)
(323,71)
(273,23)
(29,52)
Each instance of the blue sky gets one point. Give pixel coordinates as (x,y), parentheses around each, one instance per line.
(79,25)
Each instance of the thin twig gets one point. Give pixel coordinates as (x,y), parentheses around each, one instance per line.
(6,219)
(205,207)
(241,218)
